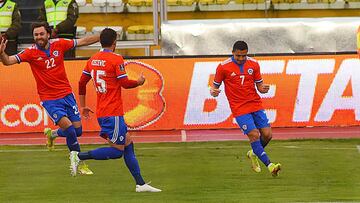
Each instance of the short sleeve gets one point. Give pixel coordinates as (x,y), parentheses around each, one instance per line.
(257,74)
(24,56)
(120,68)
(67,44)
(219,75)
(87,70)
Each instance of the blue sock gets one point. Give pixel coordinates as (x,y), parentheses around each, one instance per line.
(132,164)
(71,139)
(60,133)
(259,151)
(84,155)
(78,131)
(103,153)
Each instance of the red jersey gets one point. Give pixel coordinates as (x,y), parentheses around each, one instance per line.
(108,73)
(48,68)
(239,81)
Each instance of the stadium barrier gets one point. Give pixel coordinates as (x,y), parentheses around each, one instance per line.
(321,90)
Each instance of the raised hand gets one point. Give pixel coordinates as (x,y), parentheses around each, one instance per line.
(3,45)
(141,79)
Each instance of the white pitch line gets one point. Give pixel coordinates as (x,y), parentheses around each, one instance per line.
(199,147)
(358,147)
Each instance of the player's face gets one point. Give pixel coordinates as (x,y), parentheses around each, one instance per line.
(41,36)
(240,56)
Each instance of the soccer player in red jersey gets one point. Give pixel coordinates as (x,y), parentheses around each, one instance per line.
(240,75)
(46,59)
(107,71)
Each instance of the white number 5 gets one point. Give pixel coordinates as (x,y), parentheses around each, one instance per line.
(100,84)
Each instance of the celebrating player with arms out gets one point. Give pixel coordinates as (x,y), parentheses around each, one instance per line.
(46,59)
(108,73)
(239,74)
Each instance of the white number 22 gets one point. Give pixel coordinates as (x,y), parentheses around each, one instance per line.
(50,63)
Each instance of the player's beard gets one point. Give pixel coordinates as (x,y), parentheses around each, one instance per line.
(42,43)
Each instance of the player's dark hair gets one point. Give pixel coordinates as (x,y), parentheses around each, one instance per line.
(240,45)
(107,37)
(41,24)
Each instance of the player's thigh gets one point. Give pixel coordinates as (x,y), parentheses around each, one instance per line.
(128,139)
(56,109)
(113,129)
(246,123)
(72,109)
(260,119)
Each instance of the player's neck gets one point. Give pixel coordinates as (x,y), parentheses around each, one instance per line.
(107,49)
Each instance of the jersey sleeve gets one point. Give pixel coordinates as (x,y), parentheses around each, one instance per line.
(120,69)
(257,74)
(219,76)
(67,44)
(84,79)
(87,70)
(24,56)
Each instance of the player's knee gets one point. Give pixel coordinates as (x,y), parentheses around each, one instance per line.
(128,140)
(267,135)
(254,135)
(78,131)
(116,154)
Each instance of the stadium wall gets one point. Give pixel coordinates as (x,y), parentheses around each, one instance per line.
(319,90)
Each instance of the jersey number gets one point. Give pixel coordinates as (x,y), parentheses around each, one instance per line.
(100,84)
(50,63)
(242,77)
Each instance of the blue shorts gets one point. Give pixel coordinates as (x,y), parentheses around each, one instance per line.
(114,128)
(251,121)
(59,108)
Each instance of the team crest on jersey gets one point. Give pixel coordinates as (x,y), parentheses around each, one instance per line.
(9,7)
(244,127)
(56,53)
(233,74)
(55,115)
(250,71)
(122,67)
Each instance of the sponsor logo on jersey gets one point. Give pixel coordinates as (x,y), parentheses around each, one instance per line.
(233,74)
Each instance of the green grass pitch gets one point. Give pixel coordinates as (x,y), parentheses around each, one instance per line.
(312,171)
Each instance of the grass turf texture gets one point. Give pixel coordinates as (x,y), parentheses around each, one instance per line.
(313,170)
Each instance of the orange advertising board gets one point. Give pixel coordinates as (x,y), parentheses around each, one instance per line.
(305,91)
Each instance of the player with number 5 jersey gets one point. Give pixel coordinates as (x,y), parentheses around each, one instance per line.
(46,59)
(107,70)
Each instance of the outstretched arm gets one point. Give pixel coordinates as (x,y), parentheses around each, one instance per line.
(5,59)
(87,40)
(127,84)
